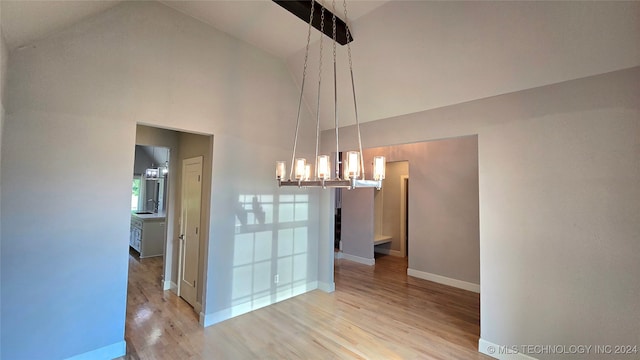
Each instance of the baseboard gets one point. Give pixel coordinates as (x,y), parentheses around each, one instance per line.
(444,280)
(388,252)
(170,285)
(337,255)
(255,304)
(197,308)
(112,351)
(359,259)
(327,287)
(501,352)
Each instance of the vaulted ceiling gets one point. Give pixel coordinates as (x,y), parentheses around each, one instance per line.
(408,56)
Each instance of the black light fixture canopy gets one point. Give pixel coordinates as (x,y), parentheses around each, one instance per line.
(302,9)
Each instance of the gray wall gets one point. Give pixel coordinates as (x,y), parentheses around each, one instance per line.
(83,90)
(559,205)
(560,211)
(357,227)
(142,161)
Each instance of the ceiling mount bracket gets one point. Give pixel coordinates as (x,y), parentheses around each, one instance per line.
(302,8)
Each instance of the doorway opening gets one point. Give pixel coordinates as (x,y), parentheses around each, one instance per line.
(161,200)
(438,215)
(390,211)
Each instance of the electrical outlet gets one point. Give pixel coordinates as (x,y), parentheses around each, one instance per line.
(276,279)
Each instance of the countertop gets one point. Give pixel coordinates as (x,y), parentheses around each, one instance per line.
(149,217)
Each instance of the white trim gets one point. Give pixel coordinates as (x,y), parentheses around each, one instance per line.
(359,259)
(255,304)
(197,308)
(327,287)
(500,352)
(112,351)
(444,280)
(169,285)
(337,255)
(403,216)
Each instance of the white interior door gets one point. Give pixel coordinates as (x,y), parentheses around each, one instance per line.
(190,228)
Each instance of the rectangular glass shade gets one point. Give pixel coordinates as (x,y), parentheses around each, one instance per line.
(378,167)
(324,167)
(352,165)
(307,171)
(300,168)
(281,169)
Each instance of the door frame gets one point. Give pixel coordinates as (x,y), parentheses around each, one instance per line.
(404,181)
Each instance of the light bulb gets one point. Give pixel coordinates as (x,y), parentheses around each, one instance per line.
(324,168)
(352,165)
(300,168)
(281,169)
(378,168)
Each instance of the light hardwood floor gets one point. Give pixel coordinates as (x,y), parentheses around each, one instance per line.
(376,312)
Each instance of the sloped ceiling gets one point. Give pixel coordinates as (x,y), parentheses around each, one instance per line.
(26,21)
(408,56)
(411,56)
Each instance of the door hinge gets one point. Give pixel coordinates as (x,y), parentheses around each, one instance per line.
(196,230)
(198,178)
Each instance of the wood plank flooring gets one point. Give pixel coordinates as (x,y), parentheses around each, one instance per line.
(376,312)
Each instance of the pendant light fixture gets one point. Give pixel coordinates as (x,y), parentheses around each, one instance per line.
(155,173)
(352,175)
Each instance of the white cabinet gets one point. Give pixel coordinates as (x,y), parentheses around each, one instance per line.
(147,236)
(135,234)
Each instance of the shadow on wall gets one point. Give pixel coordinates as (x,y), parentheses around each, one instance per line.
(270,253)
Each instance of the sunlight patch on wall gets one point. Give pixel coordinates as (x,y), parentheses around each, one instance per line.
(270,256)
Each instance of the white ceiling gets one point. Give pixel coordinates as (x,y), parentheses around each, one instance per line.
(409,56)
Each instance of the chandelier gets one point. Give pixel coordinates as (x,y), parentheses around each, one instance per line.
(352,175)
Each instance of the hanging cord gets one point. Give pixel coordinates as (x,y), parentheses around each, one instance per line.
(318,106)
(335,87)
(353,88)
(304,75)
